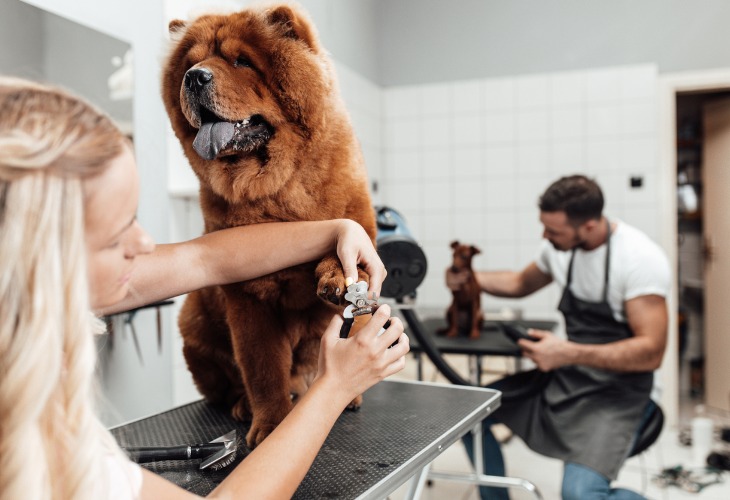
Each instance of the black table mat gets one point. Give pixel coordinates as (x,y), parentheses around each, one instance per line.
(492,341)
(369,453)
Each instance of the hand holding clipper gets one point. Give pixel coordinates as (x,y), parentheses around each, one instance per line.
(357,295)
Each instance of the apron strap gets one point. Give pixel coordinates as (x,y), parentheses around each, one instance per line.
(608,259)
(607,267)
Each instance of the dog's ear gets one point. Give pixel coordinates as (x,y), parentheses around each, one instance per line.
(177,29)
(176,26)
(475,250)
(454,243)
(293,24)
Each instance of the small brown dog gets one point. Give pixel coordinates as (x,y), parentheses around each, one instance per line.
(465,311)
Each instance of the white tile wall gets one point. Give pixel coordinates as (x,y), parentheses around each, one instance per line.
(468,159)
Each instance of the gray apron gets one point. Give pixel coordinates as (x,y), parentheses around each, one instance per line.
(579,414)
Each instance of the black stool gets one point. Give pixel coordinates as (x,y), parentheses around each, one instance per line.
(649,431)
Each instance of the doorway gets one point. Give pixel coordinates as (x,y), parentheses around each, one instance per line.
(702,126)
(682,100)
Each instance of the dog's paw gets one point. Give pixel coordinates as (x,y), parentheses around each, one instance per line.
(240,410)
(332,289)
(331,285)
(355,404)
(258,432)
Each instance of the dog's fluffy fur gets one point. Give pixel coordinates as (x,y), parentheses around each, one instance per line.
(262,123)
(465,311)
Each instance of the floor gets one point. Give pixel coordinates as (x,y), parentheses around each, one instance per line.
(546,473)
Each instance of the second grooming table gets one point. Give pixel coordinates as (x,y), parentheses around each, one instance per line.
(492,342)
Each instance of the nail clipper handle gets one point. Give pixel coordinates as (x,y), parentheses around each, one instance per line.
(345,328)
(385,327)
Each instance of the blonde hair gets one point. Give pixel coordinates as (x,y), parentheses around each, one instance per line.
(52,445)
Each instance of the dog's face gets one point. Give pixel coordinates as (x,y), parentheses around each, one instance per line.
(462,257)
(244,93)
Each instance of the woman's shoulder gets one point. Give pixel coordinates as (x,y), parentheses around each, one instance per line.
(125,477)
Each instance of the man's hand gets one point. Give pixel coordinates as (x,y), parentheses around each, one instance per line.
(456,279)
(548,351)
(647,317)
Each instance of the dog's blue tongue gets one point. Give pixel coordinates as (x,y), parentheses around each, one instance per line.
(211,138)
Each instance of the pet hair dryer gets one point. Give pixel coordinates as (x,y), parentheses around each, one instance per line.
(402,256)
(406,265)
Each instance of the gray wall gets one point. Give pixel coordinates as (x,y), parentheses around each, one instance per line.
(420,41)
(38,45)
(79,58)
(21,39)
(349,30)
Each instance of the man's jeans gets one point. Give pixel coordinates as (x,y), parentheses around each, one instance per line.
(579,482)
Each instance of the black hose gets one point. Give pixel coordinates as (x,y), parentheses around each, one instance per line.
(536,381)
(433,353)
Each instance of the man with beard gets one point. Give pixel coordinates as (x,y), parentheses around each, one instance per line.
(590,394)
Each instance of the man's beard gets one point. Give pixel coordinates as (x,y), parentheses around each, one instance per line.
(577,243)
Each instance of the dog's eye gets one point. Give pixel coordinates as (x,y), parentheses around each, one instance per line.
(242,62)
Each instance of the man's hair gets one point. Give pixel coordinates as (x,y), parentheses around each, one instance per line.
(578,196)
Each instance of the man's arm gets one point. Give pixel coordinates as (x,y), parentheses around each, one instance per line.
(247,252)
(648,319)
(513,283)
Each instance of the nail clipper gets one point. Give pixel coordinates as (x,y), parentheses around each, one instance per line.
(357,295)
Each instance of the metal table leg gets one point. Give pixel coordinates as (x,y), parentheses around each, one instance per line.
(418,481)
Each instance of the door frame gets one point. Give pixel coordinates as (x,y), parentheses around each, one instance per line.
(669,84)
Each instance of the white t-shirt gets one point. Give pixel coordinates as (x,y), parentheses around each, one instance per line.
(638,267)
(125,478)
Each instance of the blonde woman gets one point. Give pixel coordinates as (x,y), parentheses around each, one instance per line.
(70,244)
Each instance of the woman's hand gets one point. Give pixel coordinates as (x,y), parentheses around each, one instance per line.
(351,366)
(354,247)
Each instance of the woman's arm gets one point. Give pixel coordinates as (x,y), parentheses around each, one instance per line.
(347,367)
(246,252)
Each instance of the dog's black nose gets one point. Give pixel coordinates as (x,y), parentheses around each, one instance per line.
(196,79)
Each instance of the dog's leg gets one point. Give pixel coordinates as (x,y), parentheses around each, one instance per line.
(263,353)
(453,316)
(304,369)
(207,347)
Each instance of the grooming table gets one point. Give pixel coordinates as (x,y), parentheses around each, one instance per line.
(400,429)
(492,341)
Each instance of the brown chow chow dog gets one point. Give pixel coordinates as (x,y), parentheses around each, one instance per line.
(465,311)
(252,97)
